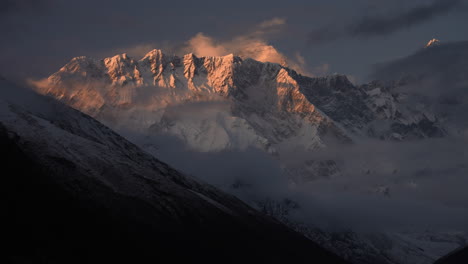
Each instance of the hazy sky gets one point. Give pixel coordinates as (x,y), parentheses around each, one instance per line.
(324,36)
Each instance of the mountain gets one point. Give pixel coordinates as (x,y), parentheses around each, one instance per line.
(437,76)
(263,90)
(225,103)
(440,61)
(221,104)
(74,191)
(433,42)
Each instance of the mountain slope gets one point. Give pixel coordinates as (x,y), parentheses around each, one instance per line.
(77,192)
(437,76)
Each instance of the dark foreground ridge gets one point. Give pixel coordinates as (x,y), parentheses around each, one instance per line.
(76,192)
(459,256)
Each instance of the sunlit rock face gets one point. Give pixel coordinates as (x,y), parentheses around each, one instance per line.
(433,42)
(230,103)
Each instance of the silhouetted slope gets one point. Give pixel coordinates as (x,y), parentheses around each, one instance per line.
(76,192)
(457,257)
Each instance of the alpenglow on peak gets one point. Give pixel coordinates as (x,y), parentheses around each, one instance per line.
(433,42)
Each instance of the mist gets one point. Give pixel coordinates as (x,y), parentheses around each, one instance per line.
(382,186)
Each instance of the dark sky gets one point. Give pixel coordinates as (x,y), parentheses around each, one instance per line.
(326,36)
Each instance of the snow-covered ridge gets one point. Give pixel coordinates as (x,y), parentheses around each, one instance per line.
(189,76)
(219,103)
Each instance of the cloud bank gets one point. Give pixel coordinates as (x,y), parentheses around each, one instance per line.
(383,187)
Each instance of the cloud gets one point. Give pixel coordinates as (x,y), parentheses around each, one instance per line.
(272,22)
(383,186)
(370,26)
(422,195)
(205,46)
(253,44)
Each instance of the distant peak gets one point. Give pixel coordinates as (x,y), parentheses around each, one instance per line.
(433,42)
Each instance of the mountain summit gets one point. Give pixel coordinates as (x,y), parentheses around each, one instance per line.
(433,42)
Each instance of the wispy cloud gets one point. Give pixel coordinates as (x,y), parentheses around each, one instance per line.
(272,22)
(253,44)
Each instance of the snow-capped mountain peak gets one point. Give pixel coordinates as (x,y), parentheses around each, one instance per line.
(433,42)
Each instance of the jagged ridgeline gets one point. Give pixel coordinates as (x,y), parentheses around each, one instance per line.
(225,103)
